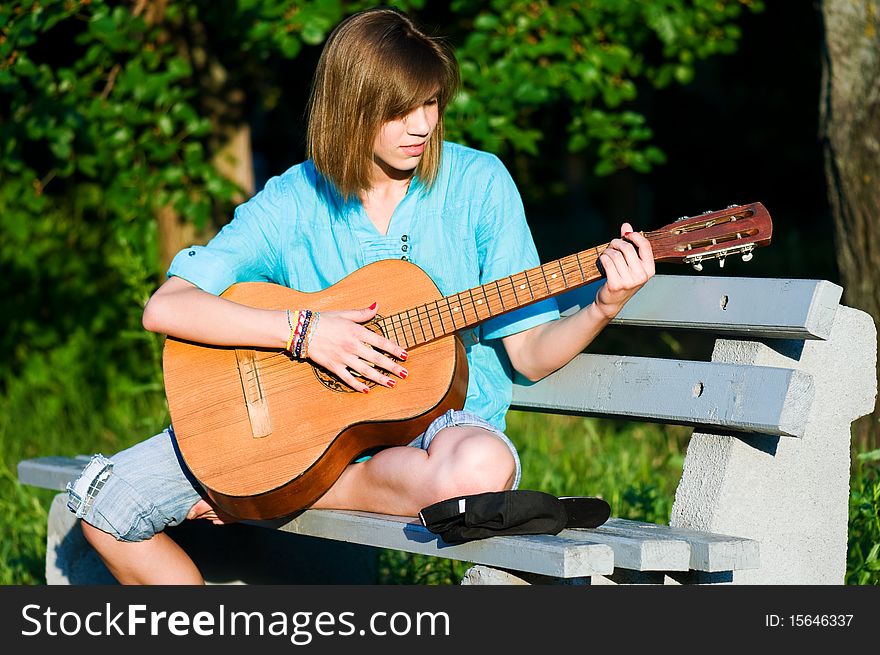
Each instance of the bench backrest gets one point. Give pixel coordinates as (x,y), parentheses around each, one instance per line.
(734,397)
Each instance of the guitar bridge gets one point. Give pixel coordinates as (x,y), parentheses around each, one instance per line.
(252,387)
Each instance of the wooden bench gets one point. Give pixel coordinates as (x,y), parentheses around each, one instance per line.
(763,498)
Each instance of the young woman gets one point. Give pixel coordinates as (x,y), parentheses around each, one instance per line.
(379,183)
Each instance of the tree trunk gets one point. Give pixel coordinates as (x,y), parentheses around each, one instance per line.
(850,130)
(231,140)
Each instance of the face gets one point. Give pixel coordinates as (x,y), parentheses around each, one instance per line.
(400,143)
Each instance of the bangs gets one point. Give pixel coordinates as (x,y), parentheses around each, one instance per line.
(413,79)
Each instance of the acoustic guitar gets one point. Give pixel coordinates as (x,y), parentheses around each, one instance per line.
(267,435)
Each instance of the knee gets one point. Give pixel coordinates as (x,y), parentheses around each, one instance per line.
(478,464)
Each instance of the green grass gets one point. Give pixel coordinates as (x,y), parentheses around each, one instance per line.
(635,466)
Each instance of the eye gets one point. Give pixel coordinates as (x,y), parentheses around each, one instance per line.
(432,101)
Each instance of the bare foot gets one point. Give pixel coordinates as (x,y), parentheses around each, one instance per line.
(204,510)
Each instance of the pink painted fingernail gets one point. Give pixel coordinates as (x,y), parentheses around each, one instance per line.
(403,356)
(367,390)
(391,383)
(374,305)
(404,373)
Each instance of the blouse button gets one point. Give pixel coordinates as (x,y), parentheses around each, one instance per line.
(404,238)
(404,247)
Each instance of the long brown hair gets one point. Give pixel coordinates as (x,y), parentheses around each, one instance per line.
(377,65)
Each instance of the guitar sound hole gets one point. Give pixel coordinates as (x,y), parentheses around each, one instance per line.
(333,381)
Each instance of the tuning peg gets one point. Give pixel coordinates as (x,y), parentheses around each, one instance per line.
(721,262)
(748,256)
(698,266)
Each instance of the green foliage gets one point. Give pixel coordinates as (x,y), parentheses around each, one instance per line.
(590,58)
(863,560)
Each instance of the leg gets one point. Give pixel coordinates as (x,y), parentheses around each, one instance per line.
(157,560)
(460,460)
(127,501)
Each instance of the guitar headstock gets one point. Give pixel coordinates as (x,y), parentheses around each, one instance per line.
(737,230)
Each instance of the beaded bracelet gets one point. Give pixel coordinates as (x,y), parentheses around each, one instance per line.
(301,334)
(313,325)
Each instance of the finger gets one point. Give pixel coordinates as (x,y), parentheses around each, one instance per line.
(609,265)
(370,372)
(633,263)
(375,357)
(345,375)
(365,314)
(381,343)
(625,229)
(646,252)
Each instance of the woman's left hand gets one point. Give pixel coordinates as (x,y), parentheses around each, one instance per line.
(628,262)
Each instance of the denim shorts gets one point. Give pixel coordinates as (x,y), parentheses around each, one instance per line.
(146,488)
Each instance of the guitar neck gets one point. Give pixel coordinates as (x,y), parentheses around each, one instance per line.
(736,230)
(461,311)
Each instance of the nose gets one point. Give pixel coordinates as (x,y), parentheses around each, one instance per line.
(417,122)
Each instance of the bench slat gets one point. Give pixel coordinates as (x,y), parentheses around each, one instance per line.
(732,397)
(707,551)
(788,308)
(51,472)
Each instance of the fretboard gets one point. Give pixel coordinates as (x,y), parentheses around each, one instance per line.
(464,310)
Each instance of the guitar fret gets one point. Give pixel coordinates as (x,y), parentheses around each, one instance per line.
(500,296)
(475,306)
(421,325)
(440,317)
(488,306)
(404,342)
(430,321)
(529,282)
(391,330)
(451,315)
(562,270)
(544,275)
(577,258)
(463,307)
(513,286)
(409,323)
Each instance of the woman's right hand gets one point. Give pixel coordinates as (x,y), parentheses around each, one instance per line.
(342,345)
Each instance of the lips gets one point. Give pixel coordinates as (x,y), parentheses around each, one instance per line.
(413,150)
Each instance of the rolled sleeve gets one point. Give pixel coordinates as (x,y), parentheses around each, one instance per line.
(200,266)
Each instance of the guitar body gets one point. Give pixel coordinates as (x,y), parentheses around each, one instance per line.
(267,435)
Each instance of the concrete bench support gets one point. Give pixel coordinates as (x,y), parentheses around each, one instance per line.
(791,495)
